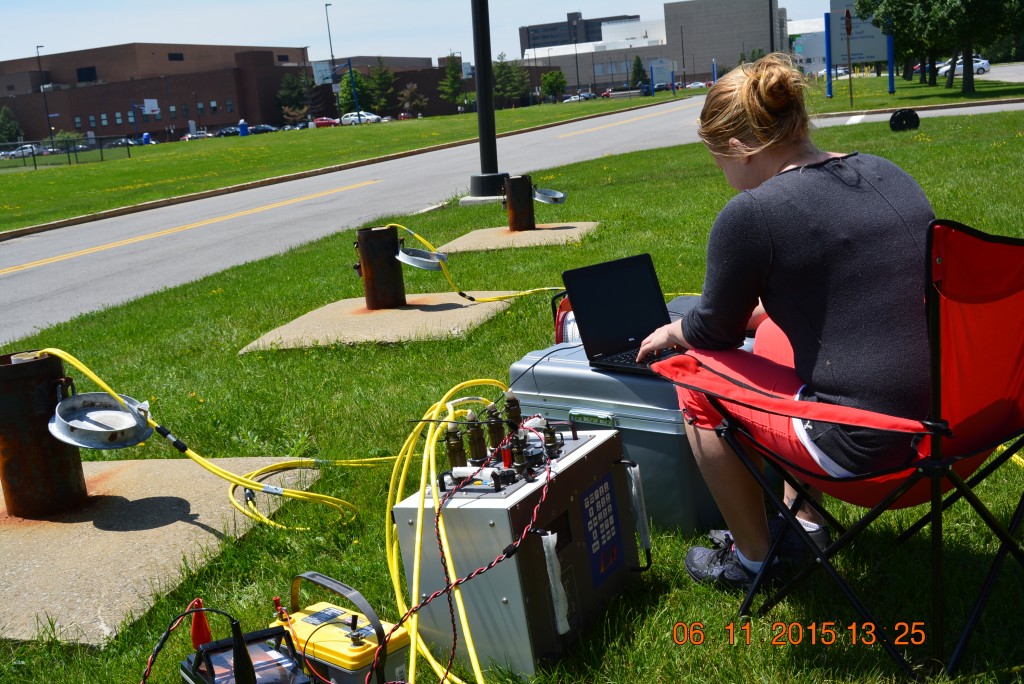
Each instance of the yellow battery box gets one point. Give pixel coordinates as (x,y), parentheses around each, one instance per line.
(339,644)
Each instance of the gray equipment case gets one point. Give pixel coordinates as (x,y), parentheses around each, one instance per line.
(559,383)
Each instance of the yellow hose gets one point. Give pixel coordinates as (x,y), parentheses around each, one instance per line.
(249,481)
(434,426)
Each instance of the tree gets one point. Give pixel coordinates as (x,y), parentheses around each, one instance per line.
(450,87)
(292,116)
(552,84)
(10,131)
(292,98)
(363,91)
(638,75)
(511,81)
(411,100)
(949,26)
(382,87)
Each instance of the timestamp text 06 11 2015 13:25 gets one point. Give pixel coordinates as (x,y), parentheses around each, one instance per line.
(826,633)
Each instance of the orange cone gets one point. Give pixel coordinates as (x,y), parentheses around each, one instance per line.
(200,626)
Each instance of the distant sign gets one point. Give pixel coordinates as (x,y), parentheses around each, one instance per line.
(150,106)
(662,69)
(867,44)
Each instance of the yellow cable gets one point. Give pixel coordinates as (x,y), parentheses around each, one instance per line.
(455,288)
(347,510)
(438,430)
(434,426)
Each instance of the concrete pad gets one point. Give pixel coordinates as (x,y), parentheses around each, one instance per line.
(471,201)
(503,238)
(424,317)
(89,571)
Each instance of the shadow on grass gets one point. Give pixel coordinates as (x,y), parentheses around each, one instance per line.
(894,583)
(955,95)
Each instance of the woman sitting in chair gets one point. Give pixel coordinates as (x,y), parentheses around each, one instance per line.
(822,253)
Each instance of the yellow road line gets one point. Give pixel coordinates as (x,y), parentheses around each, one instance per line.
(179,229)
(633,120)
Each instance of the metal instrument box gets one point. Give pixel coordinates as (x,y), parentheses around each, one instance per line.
(515,621)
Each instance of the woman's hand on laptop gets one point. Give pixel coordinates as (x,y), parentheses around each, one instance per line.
(668,336)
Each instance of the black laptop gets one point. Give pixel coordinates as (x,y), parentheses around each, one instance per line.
(616,305)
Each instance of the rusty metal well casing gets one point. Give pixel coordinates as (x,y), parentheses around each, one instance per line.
(519,201)
(380,270)
(41,475)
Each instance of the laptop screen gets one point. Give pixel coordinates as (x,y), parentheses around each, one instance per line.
(616,303)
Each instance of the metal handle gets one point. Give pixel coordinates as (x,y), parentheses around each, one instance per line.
(352,595)
(549,541)
(636,493)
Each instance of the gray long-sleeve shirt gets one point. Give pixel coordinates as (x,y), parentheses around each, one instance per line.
(836,253)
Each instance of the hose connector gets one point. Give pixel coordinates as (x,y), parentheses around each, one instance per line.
(475,437)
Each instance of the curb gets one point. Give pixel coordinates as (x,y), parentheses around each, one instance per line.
(921,108)
(216,192)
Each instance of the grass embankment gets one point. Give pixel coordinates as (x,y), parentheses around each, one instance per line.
(178,349)
(169,170)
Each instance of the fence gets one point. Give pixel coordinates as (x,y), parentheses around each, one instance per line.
(39,153)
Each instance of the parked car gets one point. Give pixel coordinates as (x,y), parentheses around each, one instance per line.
(198,135)
(659,87)
(358,118)
(262,128)
(697,84)
(324,122)
(588,96)
(980,67)
(227,131)
(836,72)
(28,151)
(945,63)
(572,98)
(119,142)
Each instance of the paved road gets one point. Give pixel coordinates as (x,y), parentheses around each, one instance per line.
(53,276)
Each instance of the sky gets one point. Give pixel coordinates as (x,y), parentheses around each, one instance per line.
(395,28)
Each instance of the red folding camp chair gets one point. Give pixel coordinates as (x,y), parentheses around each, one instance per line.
(975,305)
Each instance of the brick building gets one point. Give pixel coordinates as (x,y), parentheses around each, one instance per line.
(104,91)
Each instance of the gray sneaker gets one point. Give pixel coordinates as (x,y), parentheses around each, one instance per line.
(722,567)
(791,545)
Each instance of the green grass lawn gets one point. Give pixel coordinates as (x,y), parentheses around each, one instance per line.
(179,349)
(155,172)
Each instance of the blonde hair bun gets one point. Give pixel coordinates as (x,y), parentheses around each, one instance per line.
(760,104)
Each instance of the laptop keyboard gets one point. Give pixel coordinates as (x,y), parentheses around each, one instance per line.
(628,356)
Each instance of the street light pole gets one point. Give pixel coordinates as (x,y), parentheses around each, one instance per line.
(576,54)
(489,182)
(330,44)
(305,79)
(42,87)
(464,106)
(529,46)
(682,51)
